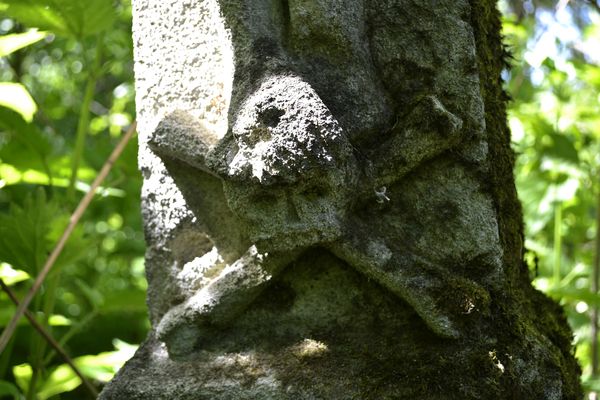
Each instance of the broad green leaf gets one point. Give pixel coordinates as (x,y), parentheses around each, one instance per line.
(34,13)
(23,232)
(562,147)
(592,384)
(22,374)
(59,320)
(27,147)
(574,294)
(16,41)
(63,17)
(7,390)
(16,97)
(105,365)
(61,379)
(10,276)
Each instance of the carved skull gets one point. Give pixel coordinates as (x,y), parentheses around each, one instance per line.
(300,164)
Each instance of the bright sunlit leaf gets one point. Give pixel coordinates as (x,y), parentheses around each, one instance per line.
(101,367)
(16,41)
(62,379)
(63,17)
(59,320)
(105,365)
(16,97)
(22,374)
(10,276)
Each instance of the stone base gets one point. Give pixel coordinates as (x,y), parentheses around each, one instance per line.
(322,331)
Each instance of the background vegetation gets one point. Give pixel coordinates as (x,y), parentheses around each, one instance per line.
(66,95)
(555,123)
(69,99)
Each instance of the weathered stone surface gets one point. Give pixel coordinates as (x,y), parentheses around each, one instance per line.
(318,212)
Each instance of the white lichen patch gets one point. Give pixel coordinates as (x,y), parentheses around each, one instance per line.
(497,363)
(309,348)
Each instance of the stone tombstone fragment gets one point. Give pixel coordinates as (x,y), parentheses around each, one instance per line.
(315,200)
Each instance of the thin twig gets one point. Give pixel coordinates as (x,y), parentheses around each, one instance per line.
(53,343)
(595,281)
(83,204)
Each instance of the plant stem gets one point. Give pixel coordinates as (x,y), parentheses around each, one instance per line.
(36,354)
(51,341)
(70,333)
(595,281)
(557,240)
(84,118)
(83,204)
(5,359)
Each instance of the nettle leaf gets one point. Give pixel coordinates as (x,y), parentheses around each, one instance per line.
(11,276)
(16,97)
(16,41)
(562,147)
(23,232)
(35,13)
(64,17)
(27,147)
(76,247)
(553,144)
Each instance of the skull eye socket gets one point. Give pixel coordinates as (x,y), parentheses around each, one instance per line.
(270,116)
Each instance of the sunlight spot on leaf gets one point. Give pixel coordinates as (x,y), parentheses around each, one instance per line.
(10,175)
(59,320)
(10,276)
(22,374)
(14,42)
(516,129)
(16,97)
(541,284)
(548,102)
(581,307)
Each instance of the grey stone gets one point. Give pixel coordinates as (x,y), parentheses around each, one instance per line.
(316,206)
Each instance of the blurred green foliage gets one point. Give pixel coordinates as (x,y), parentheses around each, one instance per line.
(66,96)
(555,123)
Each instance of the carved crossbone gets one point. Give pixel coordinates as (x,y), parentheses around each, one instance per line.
(293,178)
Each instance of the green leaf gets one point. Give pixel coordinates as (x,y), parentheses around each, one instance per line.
(14,42)
(104,366)
(131,300)
(11,276)
(62,379)
(35,13)
(23,233)
(59,320)
(63,17)
(8,389)
(25,146)
(22,374)
(574,294)
(16,97)
(562,147)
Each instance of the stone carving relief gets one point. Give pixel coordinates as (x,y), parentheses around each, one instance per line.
(339,137)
